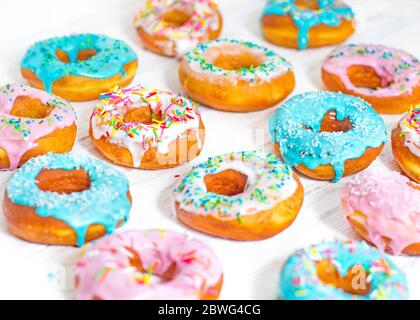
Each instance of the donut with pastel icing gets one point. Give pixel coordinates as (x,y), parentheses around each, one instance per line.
(33,123)
(383,207)
(406,144)
(61,199)
(147,129)
(79,67)
(327,135)
(125,266)
(341,270)
(239,196)
(305,24)
(387,78)
(238,76)
(173,27)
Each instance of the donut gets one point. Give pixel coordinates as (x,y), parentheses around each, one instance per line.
(387,78)
(341,270)
(33,123)
(124,266)
(239,196)
(383,207)
(79,67)
(406,144)
(327,135)
(233,75)
(61,199)
(173,27)
(147,129)
(302,24)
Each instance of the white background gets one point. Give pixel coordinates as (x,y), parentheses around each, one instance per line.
(251,269)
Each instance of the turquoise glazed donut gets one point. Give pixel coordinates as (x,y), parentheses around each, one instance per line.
(300,280)
(108,58)
(330,13)
(105,202)
(295,128)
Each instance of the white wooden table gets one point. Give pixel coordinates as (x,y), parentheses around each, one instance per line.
(251,268)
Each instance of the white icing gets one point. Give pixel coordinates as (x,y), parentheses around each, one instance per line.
(411,138)
(204,18)
(191,192)
(200,62)
(158,138)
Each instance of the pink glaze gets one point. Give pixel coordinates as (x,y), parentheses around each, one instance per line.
(19,135)
(400,71)
(391,205)
(105,271)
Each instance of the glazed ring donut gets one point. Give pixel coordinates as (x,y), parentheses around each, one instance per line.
(33,123)
(406,144)
(239,196)
(341,270)
(121,266)
(79,67)
(173,27)
(387,78)
(147,129)
(383,207)
(305,24)
(327,135)
(236,76)
(63,200)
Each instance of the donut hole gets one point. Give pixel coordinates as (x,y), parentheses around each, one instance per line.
(27,107)
(63,181)
(307,4)
(177,14)
(82,55)
(366,77)
(331,124)
(227,182)
(143,115)
(354,282)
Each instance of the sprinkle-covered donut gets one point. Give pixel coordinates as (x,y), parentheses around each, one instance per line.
(239,195)
(65,200)
(387,78)
(406,143)
(341,270)
(307,23)
(147,129)
(173,27)
(384,208)
(120,267)
(236,75)
(79,67)
(33,123)
(327,135)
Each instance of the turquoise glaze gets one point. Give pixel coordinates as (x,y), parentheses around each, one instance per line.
(105,202)
(295,126)
(299,279)
(109,60)
(330,13)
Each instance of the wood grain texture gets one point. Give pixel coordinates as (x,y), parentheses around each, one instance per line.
(251,268)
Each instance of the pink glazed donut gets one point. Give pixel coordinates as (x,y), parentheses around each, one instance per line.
(387,78)
(120,267)
(33,123)
(383,206)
